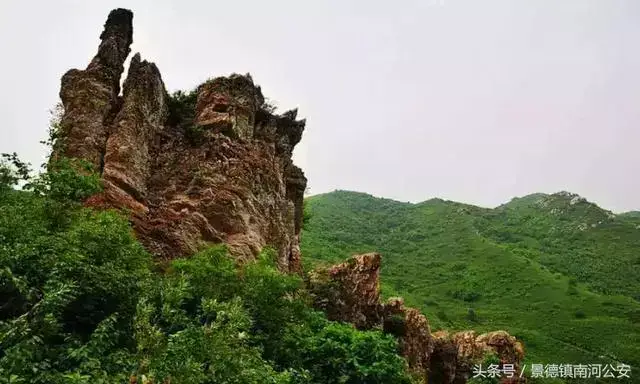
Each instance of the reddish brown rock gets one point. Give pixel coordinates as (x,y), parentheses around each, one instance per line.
(350,291)
(455,355)
(90,96)
(413,333)
(229,105)
(218,170)
(444,359)
(241,188)
(128,150)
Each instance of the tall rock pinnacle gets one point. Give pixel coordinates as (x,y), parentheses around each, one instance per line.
(140,118)
(90,96)
(116,41)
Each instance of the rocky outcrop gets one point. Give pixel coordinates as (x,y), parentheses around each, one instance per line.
(413,333)
(455,355)
(207,167)
(141,117)
(90,96)
(350,292)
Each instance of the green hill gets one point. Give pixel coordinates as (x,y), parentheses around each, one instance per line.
(557,271)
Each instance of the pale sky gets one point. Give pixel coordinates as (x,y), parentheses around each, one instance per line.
(473,101)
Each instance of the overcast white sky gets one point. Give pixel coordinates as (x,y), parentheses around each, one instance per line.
(474,101)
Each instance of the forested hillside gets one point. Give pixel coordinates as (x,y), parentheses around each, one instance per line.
(556,271)
(81,301)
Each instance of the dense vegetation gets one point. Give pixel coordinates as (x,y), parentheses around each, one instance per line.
(556,271)
(82,302)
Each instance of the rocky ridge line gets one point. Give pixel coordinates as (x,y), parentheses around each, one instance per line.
(350,292)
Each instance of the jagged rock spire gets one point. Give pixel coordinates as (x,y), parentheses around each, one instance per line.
(90,96)
(116,37)
(140,118)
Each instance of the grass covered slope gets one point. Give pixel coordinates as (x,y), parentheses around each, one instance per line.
(556,271)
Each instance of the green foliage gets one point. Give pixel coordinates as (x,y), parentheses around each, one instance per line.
(278,322)
(472,316)
(306,214)
(337,353)
(58,283)
(579,314)
(182,115)
(54,134)
(182,108)
(12,171)
(185,337)
(79,303)
(69,181)
(529,267)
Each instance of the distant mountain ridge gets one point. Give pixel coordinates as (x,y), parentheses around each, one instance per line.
(555,270)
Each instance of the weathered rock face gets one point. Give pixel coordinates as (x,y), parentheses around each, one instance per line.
(128,152)
(455,355)
(234,189)
(221,174)
(350,292)
(229,105)
(413,332)
(90,96)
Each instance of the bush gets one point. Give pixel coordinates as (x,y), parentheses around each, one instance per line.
(579,314)
(68,293)
(182,108)
(466,295)
(289,333)
(182,115)
(472,316)
(338,353)
(12,171)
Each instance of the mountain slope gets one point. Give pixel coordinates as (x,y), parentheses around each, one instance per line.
(556,271)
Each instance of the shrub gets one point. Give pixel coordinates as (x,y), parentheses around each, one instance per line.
(12,171)
(579,314)
(472,316)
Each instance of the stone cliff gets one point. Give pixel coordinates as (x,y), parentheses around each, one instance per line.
(207,167)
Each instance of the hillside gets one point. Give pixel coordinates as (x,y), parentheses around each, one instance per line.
(556,271)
